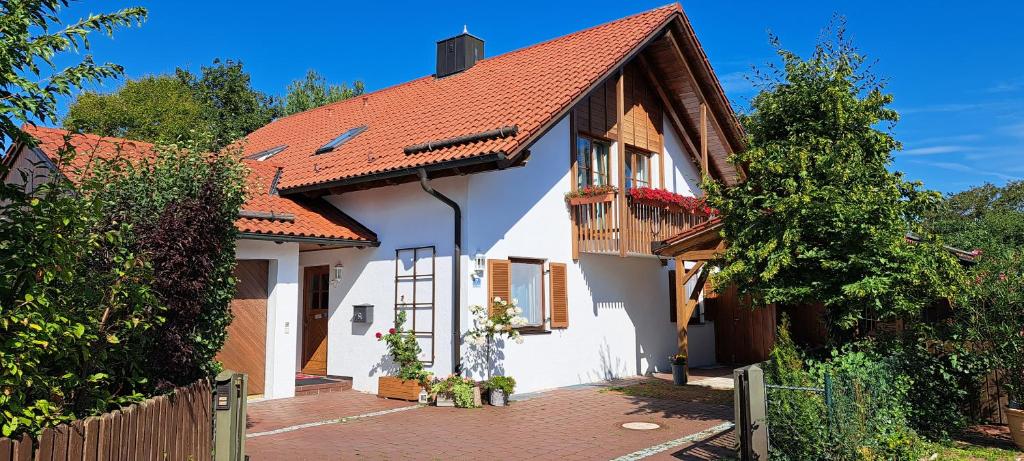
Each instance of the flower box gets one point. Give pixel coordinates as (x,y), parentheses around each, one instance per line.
(393,387)
(591,199)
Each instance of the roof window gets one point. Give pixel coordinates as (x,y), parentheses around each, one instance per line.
(337,142)
(265,154)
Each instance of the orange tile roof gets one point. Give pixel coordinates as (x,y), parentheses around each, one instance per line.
(526,88)
(312,218)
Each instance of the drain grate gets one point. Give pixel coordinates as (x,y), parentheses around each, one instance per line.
(640,426)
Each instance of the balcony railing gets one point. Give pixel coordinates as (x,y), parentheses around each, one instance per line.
(599,227)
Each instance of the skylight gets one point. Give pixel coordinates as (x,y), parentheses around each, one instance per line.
(337,142)
(265,154)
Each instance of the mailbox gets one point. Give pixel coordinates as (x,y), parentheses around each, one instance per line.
(230,393)
(362,313)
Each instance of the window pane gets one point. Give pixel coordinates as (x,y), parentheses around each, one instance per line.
(526,289)
(600,163)
(582,161)
(642,173)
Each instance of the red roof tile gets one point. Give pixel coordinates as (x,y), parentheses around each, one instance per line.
(312,218)
(525,88)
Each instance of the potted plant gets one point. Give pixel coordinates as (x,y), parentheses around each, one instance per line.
(404,351)
(678,369)
(591,194)
(499,388)
(455,391)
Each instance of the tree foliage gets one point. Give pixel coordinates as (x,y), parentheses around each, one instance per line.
(159,109)
(313,91)
(215,108)
(32,37)
(232,108)
(820,218)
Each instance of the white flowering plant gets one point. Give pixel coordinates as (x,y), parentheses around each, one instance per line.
(502,320)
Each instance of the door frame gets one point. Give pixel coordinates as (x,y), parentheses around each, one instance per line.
(308,272)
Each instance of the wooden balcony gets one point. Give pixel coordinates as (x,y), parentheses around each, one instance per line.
(598,225)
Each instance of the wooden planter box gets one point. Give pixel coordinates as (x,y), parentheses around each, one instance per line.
(590,199)
(392,387)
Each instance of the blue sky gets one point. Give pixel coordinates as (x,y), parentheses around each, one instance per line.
(955,68)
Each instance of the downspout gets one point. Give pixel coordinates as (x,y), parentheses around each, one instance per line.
(456,275)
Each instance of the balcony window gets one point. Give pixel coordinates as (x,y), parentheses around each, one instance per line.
(638,169)
(592,162)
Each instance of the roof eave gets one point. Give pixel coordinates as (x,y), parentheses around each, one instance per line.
(353,243)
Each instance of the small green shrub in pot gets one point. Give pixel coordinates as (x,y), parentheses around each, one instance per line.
(500,387)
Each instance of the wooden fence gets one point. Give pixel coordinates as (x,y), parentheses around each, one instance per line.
(174,427)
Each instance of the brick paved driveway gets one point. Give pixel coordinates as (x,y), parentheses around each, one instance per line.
(566,424)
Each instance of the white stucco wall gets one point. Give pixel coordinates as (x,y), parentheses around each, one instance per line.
(618,307)
(282,311)
(403,216)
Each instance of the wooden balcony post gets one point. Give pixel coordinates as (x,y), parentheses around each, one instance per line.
(681,321)
(620,115)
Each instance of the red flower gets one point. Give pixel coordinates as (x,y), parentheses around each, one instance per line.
(391,331)
(379,335)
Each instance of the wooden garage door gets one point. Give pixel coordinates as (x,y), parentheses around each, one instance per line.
(246,347)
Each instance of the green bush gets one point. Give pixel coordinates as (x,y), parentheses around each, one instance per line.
(944,379)
(457,388)
(506,384)
(77,311)
(860,415)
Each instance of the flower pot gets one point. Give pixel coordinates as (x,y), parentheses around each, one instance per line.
(393,387)
(590,199)
(444,401)
(1015,419)
(679,374)
(498,397)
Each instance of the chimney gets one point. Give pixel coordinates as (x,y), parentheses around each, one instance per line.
(458,53)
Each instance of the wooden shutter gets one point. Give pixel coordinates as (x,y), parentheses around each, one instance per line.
(499,282)
(559,296)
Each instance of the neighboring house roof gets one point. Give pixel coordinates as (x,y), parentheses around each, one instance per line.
(264,213)
(528,89)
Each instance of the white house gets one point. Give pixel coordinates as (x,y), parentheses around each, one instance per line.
(446,191)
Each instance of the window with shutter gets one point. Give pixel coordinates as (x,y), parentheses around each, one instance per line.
(499,281)
(559,296)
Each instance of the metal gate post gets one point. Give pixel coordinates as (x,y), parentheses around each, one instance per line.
(750,413)
(230,395)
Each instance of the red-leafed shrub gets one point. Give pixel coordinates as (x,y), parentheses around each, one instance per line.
(181,207)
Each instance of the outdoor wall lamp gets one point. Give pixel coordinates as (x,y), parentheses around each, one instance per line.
(479,263)
(337,272)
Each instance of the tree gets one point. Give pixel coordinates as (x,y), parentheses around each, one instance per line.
(232,109)
(27,50)
(215,108)
(987,217)
(820,218)
(154,109)
(314,91)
